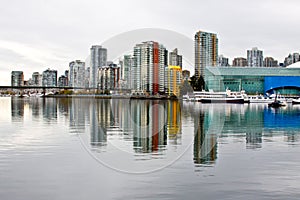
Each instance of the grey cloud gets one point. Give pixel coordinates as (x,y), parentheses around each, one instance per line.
(75,25)
(7,55)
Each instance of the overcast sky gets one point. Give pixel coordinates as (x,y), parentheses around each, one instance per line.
(40,34)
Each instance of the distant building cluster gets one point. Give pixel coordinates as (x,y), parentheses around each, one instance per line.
(255,58)
(291,58)
(150,69)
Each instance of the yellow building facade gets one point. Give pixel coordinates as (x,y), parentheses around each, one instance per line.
(173,79)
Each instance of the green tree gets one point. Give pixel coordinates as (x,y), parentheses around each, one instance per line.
(201,83)
(197,84)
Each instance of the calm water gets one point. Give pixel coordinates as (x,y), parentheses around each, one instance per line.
(138,149)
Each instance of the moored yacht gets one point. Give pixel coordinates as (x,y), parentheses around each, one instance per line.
(276,104)
(266,99)
(217,97)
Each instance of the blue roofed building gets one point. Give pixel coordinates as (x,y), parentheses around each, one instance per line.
(255,80)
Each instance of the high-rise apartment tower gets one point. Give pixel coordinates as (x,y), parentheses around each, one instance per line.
(206,52)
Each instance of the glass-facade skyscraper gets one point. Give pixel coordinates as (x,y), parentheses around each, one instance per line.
(98,59)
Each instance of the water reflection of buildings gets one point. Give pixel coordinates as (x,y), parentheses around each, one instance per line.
(35,106)
(46,106)
(101,118)
(292,136)
(244,121)
(205,138)
(49,109)
(174,126)
(17,109)
(155,123)
(64,106)
(254,127)
(149,131)
(147,123)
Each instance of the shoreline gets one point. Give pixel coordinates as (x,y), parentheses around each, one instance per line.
(114,97)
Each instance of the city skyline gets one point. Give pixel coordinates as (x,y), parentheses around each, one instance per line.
(50,35)
(206,54)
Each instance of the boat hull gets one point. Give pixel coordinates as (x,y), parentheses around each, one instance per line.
(261,101)
(276,104)
(223,100)
(295,102)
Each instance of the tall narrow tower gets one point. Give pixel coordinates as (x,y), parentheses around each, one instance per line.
(98,59)
(206,52)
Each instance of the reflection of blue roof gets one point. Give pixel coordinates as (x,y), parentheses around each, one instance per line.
(282,119)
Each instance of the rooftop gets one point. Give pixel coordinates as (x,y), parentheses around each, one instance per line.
(295,65)
(255,71)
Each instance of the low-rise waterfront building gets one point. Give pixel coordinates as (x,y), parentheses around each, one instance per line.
(255,79)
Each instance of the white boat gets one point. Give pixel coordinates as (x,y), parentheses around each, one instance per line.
(260,99)
(266,99)
(296,101)
(36,95)
(217,97)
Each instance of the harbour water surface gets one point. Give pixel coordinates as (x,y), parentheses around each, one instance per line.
(147,149)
